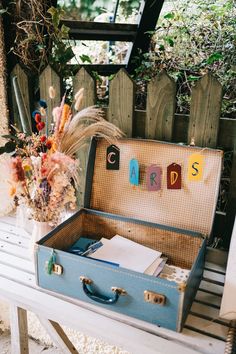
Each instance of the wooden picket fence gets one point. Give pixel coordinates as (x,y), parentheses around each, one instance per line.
(204,124)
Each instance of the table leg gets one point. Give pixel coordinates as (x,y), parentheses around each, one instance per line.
(58,336)
(19,330)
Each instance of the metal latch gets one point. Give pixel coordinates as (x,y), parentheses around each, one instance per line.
(154,298)
(56,268)
(120,291)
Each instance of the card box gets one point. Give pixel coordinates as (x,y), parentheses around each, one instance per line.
(177,222)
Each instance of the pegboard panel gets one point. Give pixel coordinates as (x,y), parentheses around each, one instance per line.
(192,207)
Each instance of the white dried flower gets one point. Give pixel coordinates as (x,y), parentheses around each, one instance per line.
(43,111)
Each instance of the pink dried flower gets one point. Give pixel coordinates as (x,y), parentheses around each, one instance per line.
(18,172)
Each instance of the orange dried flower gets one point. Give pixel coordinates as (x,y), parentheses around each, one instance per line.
(12,191)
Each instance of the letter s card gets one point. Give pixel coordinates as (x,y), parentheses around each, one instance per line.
(195,167)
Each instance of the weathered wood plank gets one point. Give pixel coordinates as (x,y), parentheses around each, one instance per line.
(227,133)
(58,336)
(50,78)
(161,93)
(83,80)
(19,330)
(208,327)
(205,111)
(23,83)
(3,86)
(88,30)
(231,207)
(226,136)
(121,102)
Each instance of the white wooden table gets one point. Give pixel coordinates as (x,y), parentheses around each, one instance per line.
(204,332)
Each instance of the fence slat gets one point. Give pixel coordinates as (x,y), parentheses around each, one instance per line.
(23,83)
(50,78)
(83,79)
(160,107)
(205,111)
(121,102)
(3,87)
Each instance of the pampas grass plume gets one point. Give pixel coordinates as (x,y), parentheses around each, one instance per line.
(85,124)
(78,99)
(79,93)
(52,92)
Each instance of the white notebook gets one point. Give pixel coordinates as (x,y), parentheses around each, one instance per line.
(126,253)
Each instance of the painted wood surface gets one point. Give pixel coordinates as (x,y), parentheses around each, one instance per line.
(161,93)
(58,336)
(228,305)
(121,104)
(19,330)
(204,331)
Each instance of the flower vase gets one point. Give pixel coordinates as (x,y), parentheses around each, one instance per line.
(40,229)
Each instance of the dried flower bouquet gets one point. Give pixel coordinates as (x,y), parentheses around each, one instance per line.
(44,167)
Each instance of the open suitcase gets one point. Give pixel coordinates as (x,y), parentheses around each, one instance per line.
(175,219)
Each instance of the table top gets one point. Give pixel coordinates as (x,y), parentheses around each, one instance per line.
(204,331)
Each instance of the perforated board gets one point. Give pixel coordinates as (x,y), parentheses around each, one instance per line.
(190,208)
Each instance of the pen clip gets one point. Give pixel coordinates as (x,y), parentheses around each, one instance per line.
(92,248)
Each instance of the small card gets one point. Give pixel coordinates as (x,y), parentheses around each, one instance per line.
(113,158)
(153,178)
(174,176)
(134,172)
(195,167)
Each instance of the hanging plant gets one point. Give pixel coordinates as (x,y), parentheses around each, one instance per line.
(40,38)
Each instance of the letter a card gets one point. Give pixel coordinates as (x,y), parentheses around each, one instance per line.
(134,172)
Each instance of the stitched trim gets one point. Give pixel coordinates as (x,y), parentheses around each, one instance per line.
(117,271)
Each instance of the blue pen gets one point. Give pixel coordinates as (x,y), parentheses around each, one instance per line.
(92,248)
(107,262)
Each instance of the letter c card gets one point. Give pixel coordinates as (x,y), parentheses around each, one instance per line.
(113,158)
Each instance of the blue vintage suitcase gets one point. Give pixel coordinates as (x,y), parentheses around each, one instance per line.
(176,222)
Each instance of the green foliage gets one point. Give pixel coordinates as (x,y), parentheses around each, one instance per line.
(84,9)
(89,9)
(129,6)
(85,58)
(61,51)
(192,38)
(40,38)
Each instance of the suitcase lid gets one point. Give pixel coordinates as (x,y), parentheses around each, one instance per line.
(190,208)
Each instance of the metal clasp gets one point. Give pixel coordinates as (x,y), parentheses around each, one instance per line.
(85,280)
(154,298)
(56,268)
(120,291)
